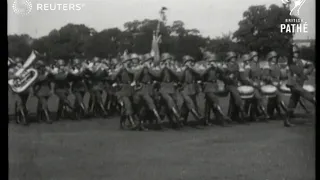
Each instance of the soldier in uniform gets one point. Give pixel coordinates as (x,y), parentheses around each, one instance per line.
(21,98)
(189,91)
(250,75)
(79,87)
(271,74)
(298,74)
(123,75)
(145,92)
(230,77)
(43,90)
(167,79)
(210,77)
(61,88)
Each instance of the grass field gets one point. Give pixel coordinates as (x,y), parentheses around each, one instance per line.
(97,150)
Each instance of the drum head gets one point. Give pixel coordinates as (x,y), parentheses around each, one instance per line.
(309,88)
(245,89)
(268,89)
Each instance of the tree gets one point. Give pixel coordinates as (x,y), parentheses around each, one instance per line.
(260,29)
(19,45)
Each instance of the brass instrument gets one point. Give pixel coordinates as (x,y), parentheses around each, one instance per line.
(25,76)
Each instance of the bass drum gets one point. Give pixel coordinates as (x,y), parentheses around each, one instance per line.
(284,89)
(246,92)
(309,88)
(221,91)
(269,91)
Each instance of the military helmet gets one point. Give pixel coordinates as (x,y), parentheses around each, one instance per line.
(96,59)
(245,57)
(295,49)
(61,62)
(76,61)
(147,57)
(18,60)
(230,55)
(253,54)
(134,56)
(187,58)
(40,63)
(271,54)
(165,56)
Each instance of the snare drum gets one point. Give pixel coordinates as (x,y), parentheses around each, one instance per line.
(285,90)
(246,92)
(309,88)
(269,91)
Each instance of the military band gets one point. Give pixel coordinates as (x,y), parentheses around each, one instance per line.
(144,91)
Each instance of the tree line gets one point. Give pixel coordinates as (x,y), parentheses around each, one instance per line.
(259,30)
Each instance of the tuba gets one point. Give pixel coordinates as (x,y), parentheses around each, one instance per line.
(26,76)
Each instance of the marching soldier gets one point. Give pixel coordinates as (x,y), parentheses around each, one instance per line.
(189,91)
(230,77)
(61,88)
(124,76)
(271,74)
(167,90)
(145,92)
(210,77)
(21,98)
(97,74)
(298,74)
(43,90)
(250,75)
(79,87)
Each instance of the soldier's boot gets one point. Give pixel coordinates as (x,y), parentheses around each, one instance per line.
(158,118)
(266,115)
(84,109)
(286,121)
(23,118)
(304,106)
(224,117)
(142,126)
(278,109)
(104,112)
(243,116)
(47,116)
(198,117)
(133,125)
(39,115)
(179,119)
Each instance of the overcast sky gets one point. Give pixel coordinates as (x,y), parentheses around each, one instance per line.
(211,17)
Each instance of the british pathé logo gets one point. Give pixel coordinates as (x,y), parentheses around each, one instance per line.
(294,25)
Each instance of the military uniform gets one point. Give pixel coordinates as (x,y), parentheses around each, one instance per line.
(298,74)
(122,76)
(211,87)
(144,79)
(273,74)
(43,91)
(167,77)
(251,75)
(189,91)
(230,77)
(21,98)
(61,87)
(79,87)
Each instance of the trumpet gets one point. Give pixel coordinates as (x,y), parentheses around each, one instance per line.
(25,76)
